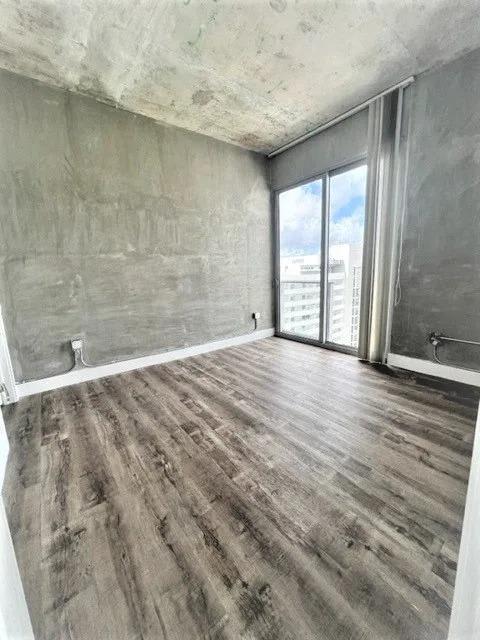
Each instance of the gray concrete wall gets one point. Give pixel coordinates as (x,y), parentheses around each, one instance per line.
(440,266)
(140,237)
(334,147)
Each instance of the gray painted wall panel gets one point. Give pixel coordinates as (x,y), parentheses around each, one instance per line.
(440,267)
(331,148)
(140,237)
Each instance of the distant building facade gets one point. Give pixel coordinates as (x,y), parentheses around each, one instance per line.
(300,294)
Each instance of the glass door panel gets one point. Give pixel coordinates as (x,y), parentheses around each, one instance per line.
(346,222)
(300,260)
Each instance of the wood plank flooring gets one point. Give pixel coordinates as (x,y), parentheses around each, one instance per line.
(270,491)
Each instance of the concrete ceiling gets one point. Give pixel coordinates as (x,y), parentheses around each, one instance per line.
(253,72)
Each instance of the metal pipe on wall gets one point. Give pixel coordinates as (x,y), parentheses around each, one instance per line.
(437,340)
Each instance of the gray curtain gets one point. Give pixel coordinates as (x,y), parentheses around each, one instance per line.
(382,223)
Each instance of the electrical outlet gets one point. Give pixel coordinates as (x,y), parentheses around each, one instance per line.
(256,315)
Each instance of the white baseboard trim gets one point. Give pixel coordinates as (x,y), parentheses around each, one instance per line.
(92,373)
(434,369)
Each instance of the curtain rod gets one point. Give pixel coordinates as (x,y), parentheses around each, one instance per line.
(343,116)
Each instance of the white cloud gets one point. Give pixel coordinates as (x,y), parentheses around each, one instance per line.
(301,212)
(299,206)
(347,185)
(348,230)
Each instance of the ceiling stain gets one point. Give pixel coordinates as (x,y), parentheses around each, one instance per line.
(278,5)
(202,97)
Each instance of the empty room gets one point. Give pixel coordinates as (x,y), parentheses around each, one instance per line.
(239,320)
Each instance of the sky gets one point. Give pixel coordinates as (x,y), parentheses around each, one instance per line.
(301,210)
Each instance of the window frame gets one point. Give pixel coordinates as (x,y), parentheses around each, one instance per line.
(325,177)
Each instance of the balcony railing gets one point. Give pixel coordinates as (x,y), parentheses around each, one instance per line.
(303,281)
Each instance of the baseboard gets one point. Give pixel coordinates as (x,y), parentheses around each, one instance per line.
(434,369)
(93,373)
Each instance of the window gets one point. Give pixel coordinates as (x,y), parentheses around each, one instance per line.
(300,239)
(346,222)
(319,258)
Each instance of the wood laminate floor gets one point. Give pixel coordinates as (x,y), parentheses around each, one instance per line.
(270,491)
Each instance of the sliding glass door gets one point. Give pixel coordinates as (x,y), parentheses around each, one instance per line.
(300,215)
(346,223)
(320,238)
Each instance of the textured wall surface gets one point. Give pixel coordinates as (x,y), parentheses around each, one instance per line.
(440,267)
(140,237)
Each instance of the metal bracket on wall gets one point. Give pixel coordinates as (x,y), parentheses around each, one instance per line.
(437,340)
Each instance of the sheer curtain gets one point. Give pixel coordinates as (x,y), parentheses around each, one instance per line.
(387,125)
